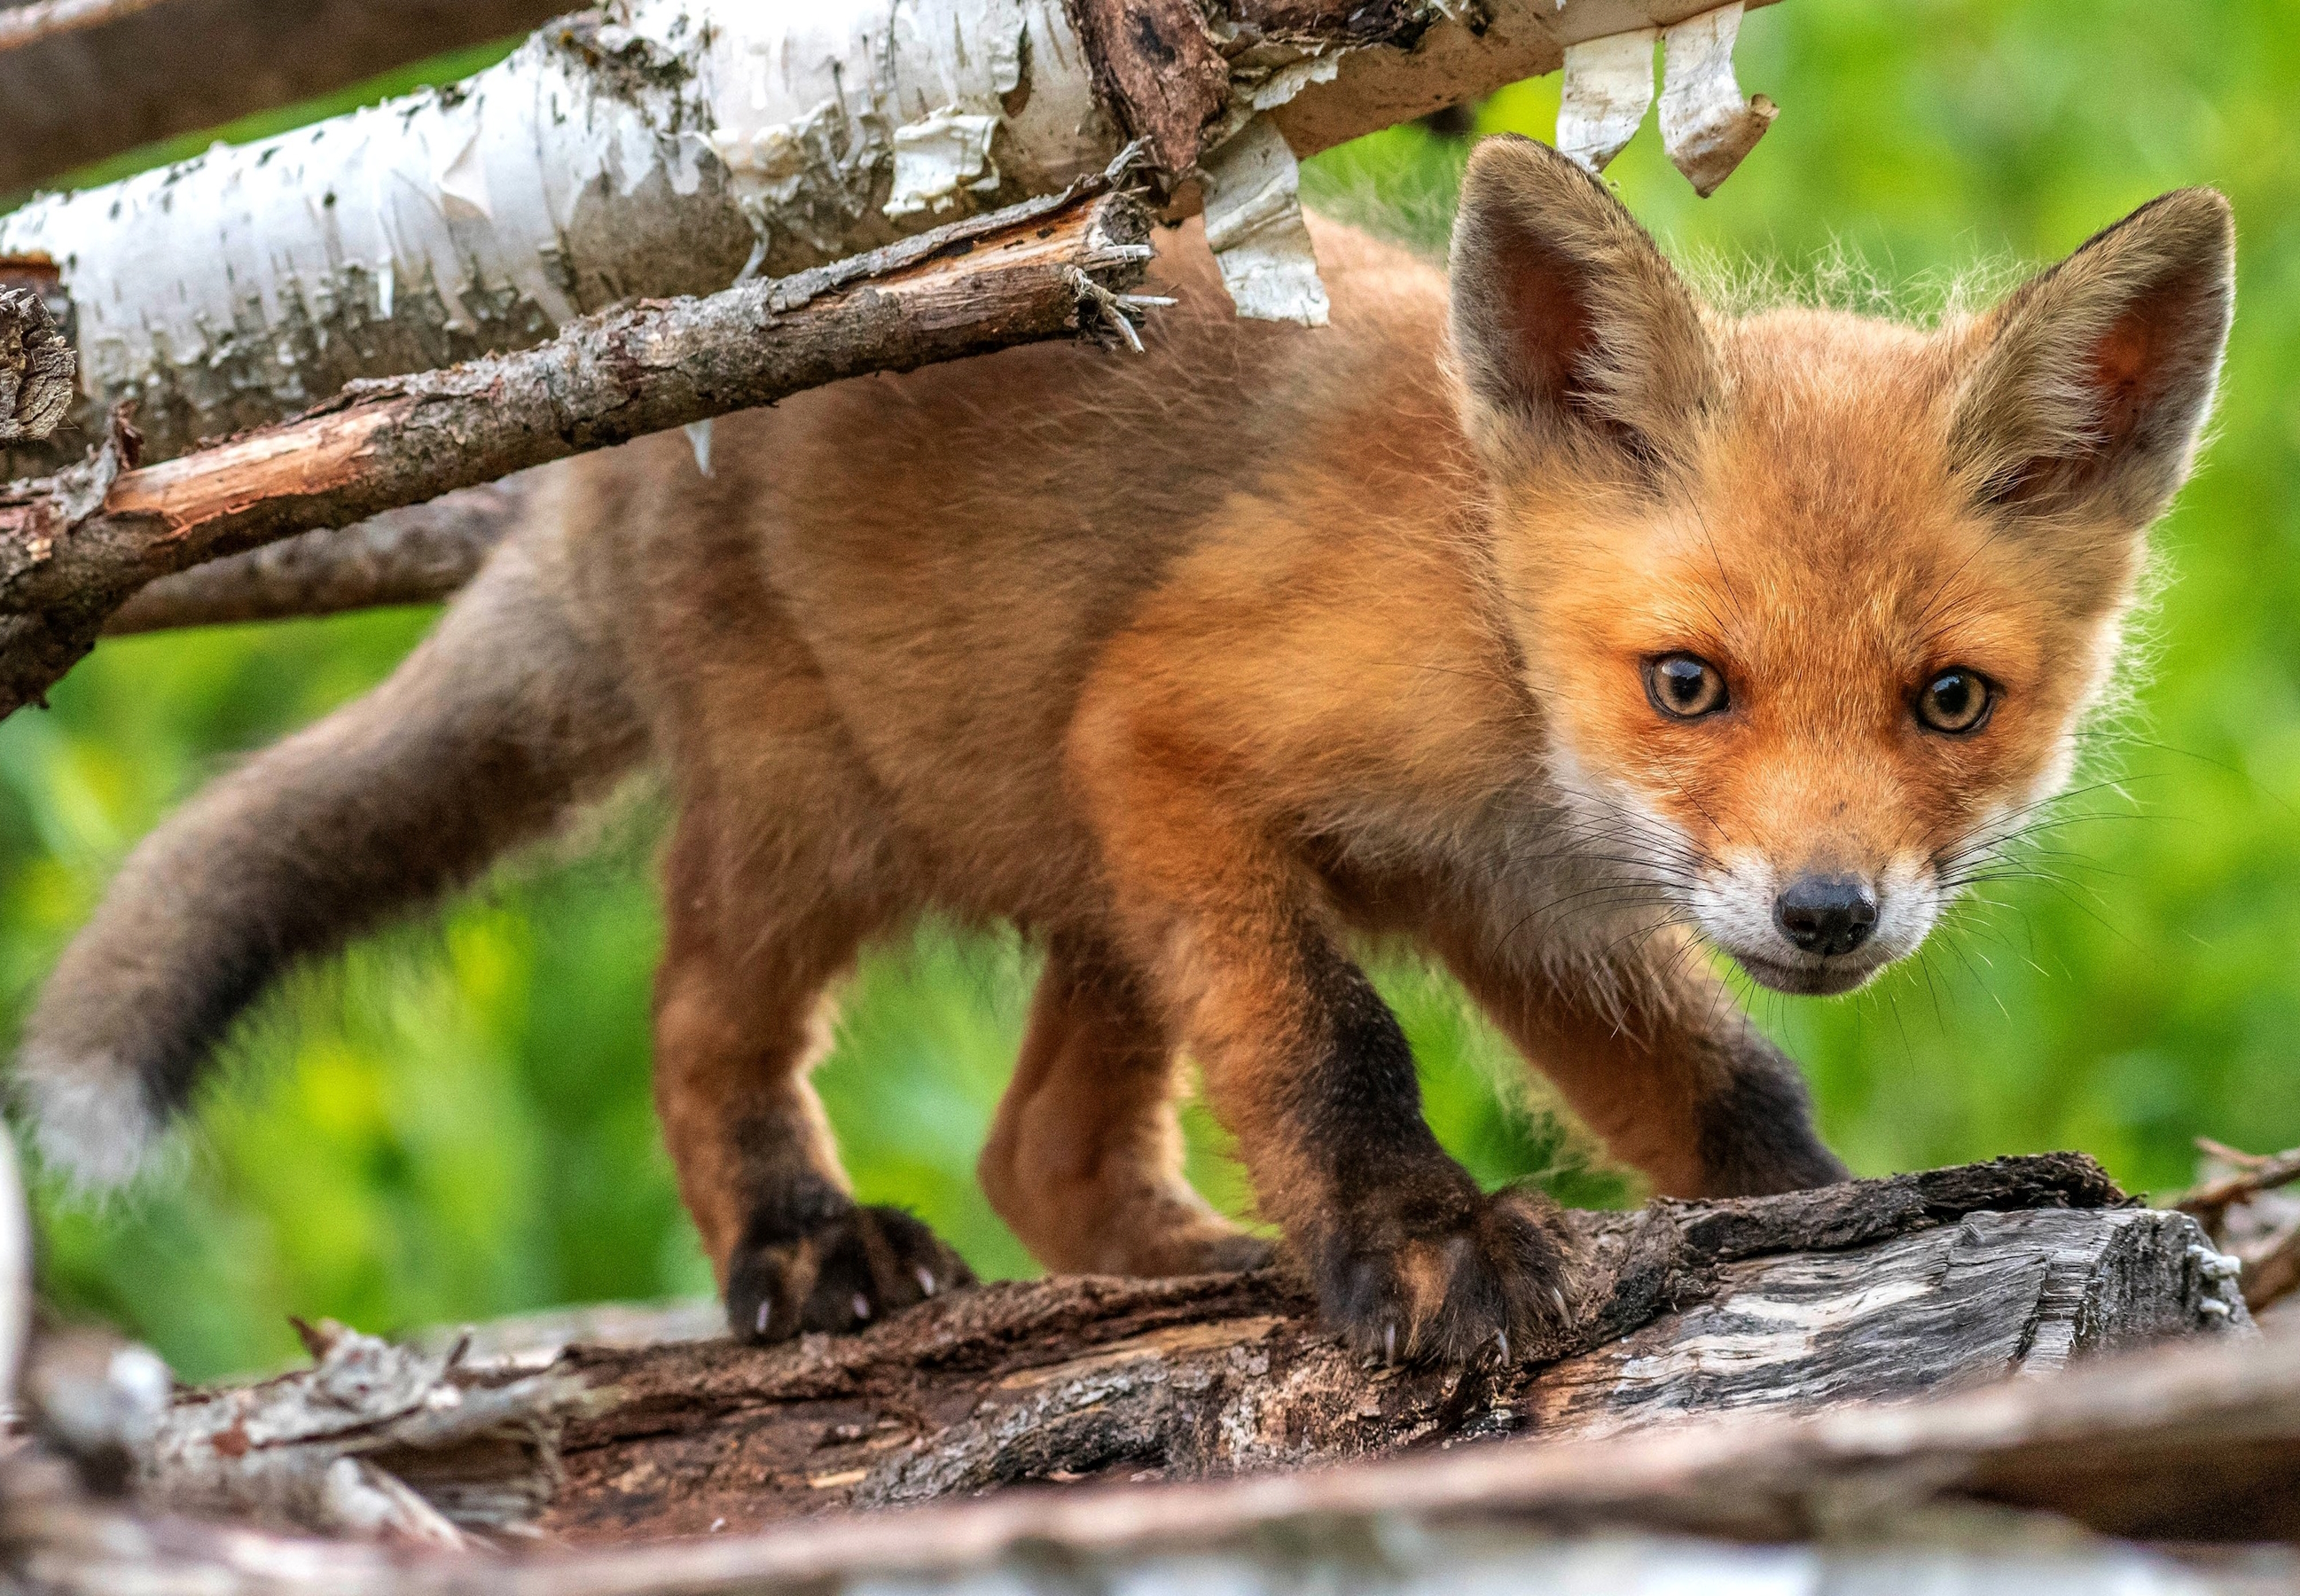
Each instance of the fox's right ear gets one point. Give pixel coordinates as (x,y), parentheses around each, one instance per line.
(1568,328)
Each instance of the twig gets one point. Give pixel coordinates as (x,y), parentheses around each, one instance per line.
(45,19)
(2272,1273)
(2209,1202)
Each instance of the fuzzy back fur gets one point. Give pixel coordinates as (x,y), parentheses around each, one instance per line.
(481,740)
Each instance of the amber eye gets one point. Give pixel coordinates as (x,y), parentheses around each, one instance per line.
(1956,702)
(1685,687)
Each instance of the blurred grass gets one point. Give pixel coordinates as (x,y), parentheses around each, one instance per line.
(455,1123)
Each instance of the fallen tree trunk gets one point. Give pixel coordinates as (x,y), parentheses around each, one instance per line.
(84,80)
(1648,1417)
(667,145)
(1872,1289)
(74,547)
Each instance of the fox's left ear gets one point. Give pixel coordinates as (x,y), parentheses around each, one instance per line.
(2095,378)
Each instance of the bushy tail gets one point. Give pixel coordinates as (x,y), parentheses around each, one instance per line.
(488,734)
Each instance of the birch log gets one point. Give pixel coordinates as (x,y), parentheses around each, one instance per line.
(667,145)
(73,547)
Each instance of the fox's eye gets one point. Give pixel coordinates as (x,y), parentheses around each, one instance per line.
(1955,702)
(1685,687)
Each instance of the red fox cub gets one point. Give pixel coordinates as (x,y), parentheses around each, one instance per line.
(1559,625)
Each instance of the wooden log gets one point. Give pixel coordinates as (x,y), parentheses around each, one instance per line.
(1831,1301)
(1869,1290)
(75,546)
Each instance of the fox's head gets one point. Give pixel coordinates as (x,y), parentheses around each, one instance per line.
(1815,603)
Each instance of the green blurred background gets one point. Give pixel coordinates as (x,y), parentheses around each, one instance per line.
(454,1122)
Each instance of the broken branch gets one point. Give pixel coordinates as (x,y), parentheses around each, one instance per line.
(51,18)
(73,547)
(418,555)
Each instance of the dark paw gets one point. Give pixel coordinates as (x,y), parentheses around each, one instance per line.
(1498,1278)
(848,1272)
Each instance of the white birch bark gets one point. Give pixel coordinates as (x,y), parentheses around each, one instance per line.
(662,153)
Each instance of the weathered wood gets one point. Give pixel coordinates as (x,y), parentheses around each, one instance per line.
(2199,1442)
(1876,1289)
(73,547)
(1872,1289)
(37,367)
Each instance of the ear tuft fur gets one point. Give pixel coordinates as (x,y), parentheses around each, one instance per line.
(2094,377)
(1568,328)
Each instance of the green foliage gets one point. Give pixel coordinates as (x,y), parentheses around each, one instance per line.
(455,1123)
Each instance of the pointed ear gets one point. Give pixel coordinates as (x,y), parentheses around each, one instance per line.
(1568,328)
(2094,378)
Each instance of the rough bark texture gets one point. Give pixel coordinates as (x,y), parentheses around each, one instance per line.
(37,367)
(652,152)
(1870,1290)
(418,555)
(76,97)
(1908,1290)
(75,546)
(1158,69)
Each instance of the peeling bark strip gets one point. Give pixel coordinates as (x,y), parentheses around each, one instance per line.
(68,100)
(74,546)
(666,146)
(37,367)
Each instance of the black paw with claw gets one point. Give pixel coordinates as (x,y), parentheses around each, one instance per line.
(845,1273)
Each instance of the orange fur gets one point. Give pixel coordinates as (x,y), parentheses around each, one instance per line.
(1200,667)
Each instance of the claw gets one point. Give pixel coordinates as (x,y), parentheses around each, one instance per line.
(862,1306)
(925,1280)
(1502,1337)
(766,1311)
(1389,1342)
(1558,1297)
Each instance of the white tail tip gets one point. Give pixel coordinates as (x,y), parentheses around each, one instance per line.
(91,1118)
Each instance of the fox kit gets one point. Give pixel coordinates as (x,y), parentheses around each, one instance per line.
(1552,622)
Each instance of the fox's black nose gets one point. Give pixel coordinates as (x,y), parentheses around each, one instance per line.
(1826,914)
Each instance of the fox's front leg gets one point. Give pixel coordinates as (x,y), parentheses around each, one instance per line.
(1308,1069)
(1658,1060)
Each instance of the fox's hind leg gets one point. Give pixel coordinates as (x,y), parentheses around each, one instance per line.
(1085,1161)
(740,1020)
